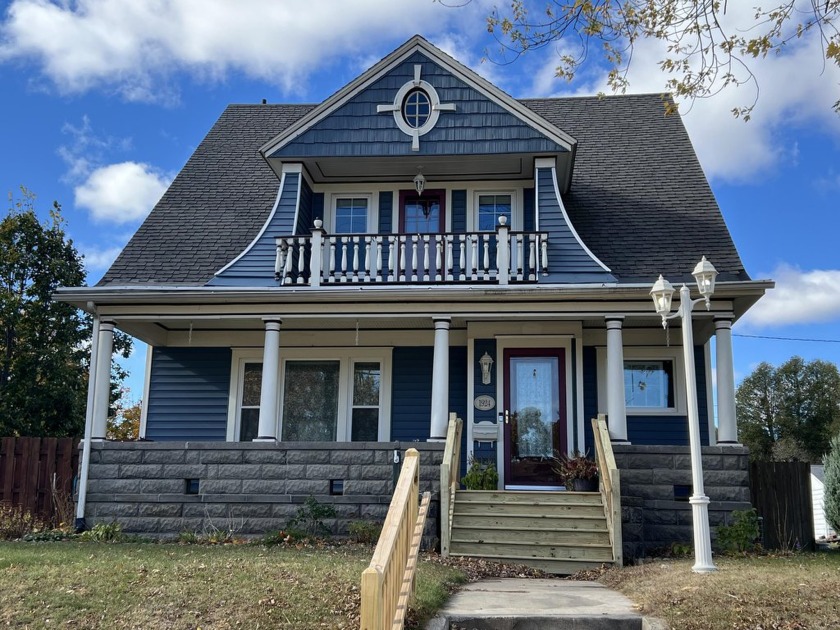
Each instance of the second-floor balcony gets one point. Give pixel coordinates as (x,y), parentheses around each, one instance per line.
(501,257)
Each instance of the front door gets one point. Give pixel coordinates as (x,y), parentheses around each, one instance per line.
(534,415)
(422,214)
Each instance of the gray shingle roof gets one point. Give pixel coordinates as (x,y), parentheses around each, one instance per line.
(639,199)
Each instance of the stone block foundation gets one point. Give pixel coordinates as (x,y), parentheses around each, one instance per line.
(160,489)
(656,484)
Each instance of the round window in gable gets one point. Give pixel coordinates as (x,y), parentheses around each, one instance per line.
(417,108)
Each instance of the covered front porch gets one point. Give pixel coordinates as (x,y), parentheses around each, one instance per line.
(525,369)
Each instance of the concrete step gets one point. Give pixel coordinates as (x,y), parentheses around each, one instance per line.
(526,604)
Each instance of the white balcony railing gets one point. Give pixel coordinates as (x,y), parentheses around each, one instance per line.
(501,257)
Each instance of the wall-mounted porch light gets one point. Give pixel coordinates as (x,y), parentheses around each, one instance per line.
(486,362)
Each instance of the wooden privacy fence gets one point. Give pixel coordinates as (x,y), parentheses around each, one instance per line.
(781,494)
(387,584)
(27,467)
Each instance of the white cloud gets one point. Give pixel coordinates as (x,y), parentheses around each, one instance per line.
(122,192)
(134,47)
(98,259)
(797,91)
(800,297)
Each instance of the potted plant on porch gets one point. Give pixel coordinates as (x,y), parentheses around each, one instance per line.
(578,472)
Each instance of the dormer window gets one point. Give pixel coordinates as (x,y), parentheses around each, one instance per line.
(416,109)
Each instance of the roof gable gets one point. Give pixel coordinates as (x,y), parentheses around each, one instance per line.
(475,116)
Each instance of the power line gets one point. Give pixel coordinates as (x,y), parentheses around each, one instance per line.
(786,338)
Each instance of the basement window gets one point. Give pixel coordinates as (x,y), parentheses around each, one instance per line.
(191,486)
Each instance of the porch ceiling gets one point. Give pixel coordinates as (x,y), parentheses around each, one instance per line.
(434,168)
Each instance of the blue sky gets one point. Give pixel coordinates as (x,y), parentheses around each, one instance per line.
(104,100)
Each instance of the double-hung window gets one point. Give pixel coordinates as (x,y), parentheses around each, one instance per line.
(351,215)
(492,206)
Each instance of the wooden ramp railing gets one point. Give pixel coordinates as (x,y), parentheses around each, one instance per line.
(450,470)
(388,583)
(610,485)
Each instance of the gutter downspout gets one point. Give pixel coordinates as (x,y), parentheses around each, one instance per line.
(80,525)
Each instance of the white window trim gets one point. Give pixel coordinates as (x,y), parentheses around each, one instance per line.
(330,208)
(346,358)
(516,203)
(673,354)
(237,375)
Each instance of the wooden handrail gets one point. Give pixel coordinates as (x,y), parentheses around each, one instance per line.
(450,469)
(610,485)
(388,582)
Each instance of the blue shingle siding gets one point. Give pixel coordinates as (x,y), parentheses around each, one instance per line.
(188,394)
(256,267)
(459,211)
(411,394)
(567,260)
(305,211)
(478,126)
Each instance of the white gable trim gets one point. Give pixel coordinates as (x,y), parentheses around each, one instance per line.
(550,163)
(385,65)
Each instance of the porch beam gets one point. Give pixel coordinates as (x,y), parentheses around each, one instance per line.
(727,424)
(267,428)
(440,381)
(616,408)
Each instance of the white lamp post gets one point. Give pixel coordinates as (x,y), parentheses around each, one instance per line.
(662,292)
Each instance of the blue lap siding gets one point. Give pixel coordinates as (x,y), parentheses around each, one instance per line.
(411,396)
(188,394)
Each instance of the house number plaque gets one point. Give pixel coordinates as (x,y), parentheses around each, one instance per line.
(484,402)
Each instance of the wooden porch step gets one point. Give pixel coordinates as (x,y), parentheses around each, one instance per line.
(539,510)
(557,535)
(522,522)
(517,549)
(550,565)
(527,497)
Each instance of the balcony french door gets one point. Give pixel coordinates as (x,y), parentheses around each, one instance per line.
(422,214)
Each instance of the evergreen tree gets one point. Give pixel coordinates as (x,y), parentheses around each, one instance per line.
(44,344)
(832,484)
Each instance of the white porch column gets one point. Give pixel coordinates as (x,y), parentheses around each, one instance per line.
(727,424)
(267,431)
(616,409)
(440,381)
(101,374)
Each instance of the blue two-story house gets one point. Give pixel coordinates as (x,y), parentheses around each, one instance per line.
(420,243)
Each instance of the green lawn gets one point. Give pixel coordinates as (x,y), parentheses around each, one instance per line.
(768,592)
(90,585)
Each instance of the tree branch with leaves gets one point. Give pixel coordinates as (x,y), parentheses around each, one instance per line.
(705,51)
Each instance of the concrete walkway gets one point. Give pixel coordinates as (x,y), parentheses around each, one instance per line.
(529,604)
